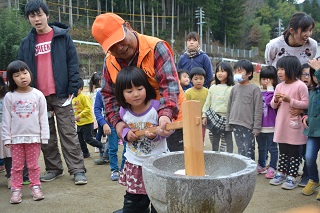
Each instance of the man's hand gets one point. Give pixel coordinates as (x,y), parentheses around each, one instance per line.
(106,129)
(163,120)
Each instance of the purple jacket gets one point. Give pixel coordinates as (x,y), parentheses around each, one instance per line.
(268,114)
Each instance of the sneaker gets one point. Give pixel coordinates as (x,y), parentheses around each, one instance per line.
(310,188)
(9,183)
(36,193)
(16,196)
(80,178)
(86,155)
(96,150)
(101,161)
(115,175)
(318,196)
(290,183)
(261,170)
(304,181)
(50,176)
(26,182)
(270,173)
(278,179)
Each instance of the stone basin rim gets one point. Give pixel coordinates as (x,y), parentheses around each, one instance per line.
(250,167)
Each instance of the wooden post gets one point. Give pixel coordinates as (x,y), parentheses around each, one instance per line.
(192,138)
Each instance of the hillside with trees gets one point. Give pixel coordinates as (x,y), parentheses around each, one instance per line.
(233,24)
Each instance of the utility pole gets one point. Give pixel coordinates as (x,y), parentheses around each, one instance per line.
(172,25)
(280,27)
(200,15)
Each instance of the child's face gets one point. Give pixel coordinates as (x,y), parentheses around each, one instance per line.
(282,74)
(197,81)
(243,73)
(135,96)
(22,78)
(184,79)
(222,75)
(305,77)
(192,43)
(266,82)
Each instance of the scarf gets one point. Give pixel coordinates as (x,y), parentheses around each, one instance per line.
(193,52)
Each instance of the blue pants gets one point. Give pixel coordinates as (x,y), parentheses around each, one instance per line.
(113,149)
(313,146)
(265,144)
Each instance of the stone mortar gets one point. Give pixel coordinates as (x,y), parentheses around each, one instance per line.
(227,187)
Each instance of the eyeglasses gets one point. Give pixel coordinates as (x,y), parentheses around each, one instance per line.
(306,75)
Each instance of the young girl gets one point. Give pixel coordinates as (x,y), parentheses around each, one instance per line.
(268,81)
(244,110)
(23,106)
(139,111)
(312,130)
(217,100)
(4,151)
(184,79)
(290,93)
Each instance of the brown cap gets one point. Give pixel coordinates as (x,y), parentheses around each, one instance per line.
(108,29)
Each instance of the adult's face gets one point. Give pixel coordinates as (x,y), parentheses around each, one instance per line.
(126,48)
(39,21)
(300,37)
(192,44)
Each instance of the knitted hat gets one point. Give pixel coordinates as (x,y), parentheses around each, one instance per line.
(108,29)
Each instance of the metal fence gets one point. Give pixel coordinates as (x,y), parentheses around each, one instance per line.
(229,52)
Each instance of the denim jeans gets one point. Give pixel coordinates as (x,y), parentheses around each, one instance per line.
(302,152)
(313,146)
(265,144)
(113,149)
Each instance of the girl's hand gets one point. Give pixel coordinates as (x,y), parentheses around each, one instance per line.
(277,97)
(304,121)
(204,121)
(8,145)
(150,135)
(77,118)
(286,98)
(314,63)
(119,128)
(130,137)
(269,83)
(295,112)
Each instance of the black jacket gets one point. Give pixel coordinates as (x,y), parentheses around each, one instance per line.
(64,59)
